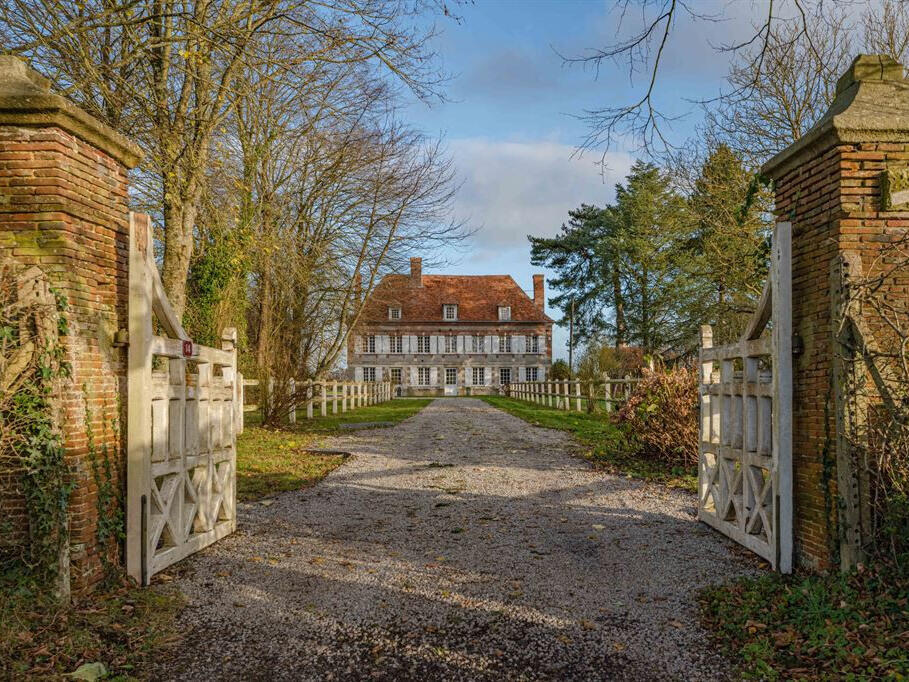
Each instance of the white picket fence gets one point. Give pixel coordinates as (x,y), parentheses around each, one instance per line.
(574,395)
(308,396)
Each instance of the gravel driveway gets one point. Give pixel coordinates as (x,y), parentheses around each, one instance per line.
(462,544)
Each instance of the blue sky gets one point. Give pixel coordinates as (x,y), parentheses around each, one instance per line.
(510,123)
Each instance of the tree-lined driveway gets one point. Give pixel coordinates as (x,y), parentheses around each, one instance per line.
(461,544)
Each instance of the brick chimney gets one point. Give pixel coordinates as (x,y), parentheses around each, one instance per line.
(539,299)
(416,272)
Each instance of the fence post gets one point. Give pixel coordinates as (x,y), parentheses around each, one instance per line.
(292,392)
(334,397)
(343,397)
(567,405)
(607,393)
(577,395)
(269,396)
(324,395)
(309,397)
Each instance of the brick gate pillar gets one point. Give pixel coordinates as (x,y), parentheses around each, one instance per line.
(63,208)
(828,185)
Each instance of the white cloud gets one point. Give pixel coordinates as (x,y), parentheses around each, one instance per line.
(512,189)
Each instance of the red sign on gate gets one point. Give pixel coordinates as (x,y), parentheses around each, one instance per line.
(187,348)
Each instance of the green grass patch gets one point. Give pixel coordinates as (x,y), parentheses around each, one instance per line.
(604,439)
(275,461)
(394,411)
(844,627)
(271,461)
(119,626)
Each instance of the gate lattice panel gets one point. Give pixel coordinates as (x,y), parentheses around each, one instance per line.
(181,427)
(745,463)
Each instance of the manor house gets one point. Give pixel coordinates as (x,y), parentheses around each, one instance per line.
(451,334)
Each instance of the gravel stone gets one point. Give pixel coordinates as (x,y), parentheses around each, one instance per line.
(462,544)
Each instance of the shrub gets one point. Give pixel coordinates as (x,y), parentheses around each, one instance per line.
(559,371)
(660,417)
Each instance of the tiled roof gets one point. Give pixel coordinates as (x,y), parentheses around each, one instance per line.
(477,297)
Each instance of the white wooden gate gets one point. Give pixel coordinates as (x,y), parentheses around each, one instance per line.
(181,472)
(745,467)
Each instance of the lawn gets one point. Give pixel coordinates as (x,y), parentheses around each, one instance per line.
(271,461)
(119,626)
(815,627)
(603,438)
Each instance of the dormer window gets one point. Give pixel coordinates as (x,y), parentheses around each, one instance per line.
(394,312)
(504,313)
(449,312)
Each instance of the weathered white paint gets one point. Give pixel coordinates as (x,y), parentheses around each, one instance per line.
(745,463)
(181,433)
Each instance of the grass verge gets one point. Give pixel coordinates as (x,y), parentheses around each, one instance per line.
(815,627)
(119,626)
(271,461)
(603,438)
(275,461)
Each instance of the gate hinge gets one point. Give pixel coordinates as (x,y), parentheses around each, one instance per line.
(121,338)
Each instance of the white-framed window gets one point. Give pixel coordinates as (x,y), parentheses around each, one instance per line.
(451,344)
(395,374)
(479,376)
(478,343)
(449,312)
(504,343)
(504,375)
(370,346)
(394,312)
(451,376)
(423,344)
(530,373)
(369,374)
(423,376)
(532,344)
(396,344)
(504,312)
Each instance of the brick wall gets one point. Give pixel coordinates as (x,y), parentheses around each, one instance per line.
(809,197)
(829,186)
(64,209)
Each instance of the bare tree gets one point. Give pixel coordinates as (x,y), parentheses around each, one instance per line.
(886,29)
(778,91)
(813,34)
(165,73)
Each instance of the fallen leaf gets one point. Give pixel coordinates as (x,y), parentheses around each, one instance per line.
(89,672)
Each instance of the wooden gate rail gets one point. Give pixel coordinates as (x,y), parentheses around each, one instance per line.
(745,462)
(341,396)
(574,395)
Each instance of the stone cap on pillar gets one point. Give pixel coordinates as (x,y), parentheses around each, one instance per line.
(26,100)
(871,105)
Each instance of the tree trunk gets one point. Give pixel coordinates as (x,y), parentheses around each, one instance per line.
(619,300)
(179,223)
